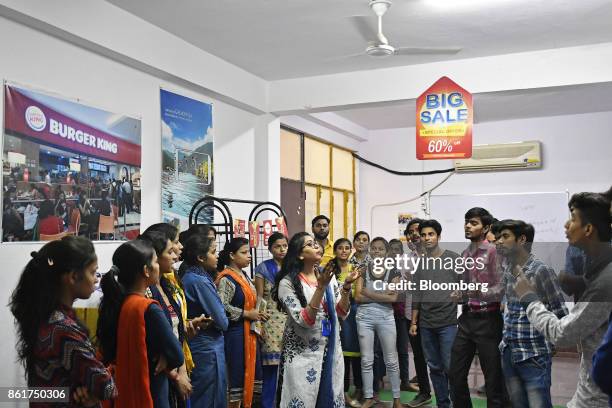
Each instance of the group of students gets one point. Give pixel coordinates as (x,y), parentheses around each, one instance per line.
(314,320)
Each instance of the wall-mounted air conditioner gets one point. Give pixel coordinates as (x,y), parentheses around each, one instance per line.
(508,156)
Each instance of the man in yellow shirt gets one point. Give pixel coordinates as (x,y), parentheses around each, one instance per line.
(320,230)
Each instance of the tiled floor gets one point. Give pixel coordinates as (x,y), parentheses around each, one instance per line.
(564,379)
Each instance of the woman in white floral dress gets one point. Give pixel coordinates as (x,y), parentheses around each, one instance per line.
(311,372)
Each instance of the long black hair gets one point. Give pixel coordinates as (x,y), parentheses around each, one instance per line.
(38,290)
(170,231)
(230,247)
(291,267)
(196,229)
(128,262)
(341,241)
(158,240)
(196,245)
(273,238)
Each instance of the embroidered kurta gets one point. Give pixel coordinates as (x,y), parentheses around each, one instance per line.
(304,350)
(237,293)
(64,357)
(272,328)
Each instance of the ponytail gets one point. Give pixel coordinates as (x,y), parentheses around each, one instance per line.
(128,262)
(108,314)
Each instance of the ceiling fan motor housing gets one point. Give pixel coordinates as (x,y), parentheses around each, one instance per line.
(380,7)
(380,50)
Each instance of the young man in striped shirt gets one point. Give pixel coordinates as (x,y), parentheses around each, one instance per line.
(480,323)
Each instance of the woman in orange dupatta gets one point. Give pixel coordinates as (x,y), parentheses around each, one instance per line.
(239,297)
(133,332)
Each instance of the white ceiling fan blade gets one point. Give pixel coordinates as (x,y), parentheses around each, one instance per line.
(348,56)
(427,50)
(363,25)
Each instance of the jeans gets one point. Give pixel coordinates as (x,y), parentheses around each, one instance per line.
(401,327)
(378,368)
(437,345)
(482,332)
(372,321)
(528,381)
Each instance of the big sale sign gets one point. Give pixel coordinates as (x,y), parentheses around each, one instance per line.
(444,117)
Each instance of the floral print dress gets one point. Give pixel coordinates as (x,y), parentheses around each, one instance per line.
(305,350)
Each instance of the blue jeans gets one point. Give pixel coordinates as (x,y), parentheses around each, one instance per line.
(437,345)
(528,381)
(381,322)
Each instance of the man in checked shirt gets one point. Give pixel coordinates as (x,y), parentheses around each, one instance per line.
(480,323)
(526,354)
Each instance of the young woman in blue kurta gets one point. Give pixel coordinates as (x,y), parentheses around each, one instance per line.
(209,377)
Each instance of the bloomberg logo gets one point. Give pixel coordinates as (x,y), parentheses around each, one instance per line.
(35,118)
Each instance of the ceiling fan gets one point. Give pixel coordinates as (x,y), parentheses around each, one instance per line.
(380,47)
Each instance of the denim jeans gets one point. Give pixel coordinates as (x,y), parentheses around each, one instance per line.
(528,381)
(372,321)
(437,345)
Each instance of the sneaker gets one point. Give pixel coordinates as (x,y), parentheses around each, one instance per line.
(414,380)
(419,401)
(408,386)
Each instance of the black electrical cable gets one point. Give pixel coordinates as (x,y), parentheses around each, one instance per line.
(402,173)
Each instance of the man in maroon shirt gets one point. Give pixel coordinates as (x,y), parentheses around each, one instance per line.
(480,323)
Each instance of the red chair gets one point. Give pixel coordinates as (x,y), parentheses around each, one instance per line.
(106,225)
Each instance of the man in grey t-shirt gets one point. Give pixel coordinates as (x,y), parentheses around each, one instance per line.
(434,310)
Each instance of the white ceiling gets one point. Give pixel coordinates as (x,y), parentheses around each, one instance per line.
(288,39)
(496,106)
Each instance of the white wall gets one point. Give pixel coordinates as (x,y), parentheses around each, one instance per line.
(576,156)
(38,60)
(319,131)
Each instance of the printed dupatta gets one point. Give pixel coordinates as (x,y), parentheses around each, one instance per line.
(270,270)
(325,397)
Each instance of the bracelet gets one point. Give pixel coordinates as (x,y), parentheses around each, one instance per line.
(344,288)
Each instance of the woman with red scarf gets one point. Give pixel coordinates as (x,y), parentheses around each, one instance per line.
(133,332)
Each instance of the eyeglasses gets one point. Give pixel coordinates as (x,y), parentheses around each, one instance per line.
(312,244)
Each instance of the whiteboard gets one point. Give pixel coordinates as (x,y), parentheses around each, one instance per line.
(547,212)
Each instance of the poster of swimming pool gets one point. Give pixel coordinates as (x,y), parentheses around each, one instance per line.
(187,156)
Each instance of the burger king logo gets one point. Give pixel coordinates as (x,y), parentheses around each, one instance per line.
(35,118)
